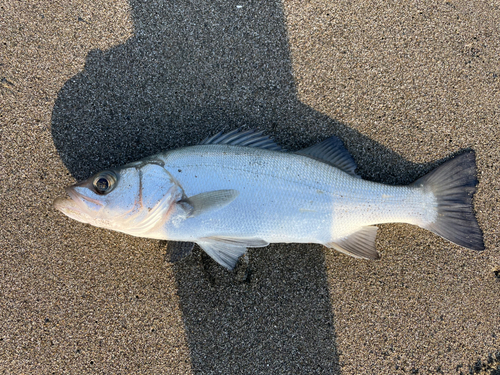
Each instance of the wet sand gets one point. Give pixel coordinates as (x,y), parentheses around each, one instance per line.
(87,86)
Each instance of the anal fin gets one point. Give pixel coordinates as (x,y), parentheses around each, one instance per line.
(360,244)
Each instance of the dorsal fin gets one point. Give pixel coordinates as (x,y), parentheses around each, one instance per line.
(333,152)
(247,138)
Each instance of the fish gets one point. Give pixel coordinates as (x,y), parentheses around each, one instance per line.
(240,190)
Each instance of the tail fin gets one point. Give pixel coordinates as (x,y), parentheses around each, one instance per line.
(453,185)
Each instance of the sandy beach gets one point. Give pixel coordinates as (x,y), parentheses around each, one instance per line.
(89,85)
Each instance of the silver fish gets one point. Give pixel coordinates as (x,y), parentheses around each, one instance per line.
(239,190)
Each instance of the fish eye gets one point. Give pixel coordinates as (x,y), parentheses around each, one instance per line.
(104,182)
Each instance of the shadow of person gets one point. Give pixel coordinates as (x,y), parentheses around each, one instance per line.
(192,69)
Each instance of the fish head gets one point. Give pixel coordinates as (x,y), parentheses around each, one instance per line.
(131,199)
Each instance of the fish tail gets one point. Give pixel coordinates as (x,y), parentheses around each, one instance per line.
(453,185)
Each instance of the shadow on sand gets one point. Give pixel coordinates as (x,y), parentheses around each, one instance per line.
(193,69)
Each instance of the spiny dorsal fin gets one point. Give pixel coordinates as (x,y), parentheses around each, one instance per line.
(333,152)
(248,138)
(360,244)
(226,251)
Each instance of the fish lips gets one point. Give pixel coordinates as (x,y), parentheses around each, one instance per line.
(77,205)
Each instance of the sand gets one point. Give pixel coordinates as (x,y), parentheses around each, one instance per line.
(89,85)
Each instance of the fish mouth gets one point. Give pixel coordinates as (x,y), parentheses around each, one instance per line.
(74,205)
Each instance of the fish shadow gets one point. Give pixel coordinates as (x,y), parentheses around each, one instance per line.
(193,69)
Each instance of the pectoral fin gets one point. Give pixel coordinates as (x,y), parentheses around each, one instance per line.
(226,251)
(178,250)
(209,201)
(360,244)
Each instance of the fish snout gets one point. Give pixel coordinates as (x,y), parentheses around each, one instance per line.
(69,207)
(77,205)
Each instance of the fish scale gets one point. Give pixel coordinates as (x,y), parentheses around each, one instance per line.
(272,190)
(239,190)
